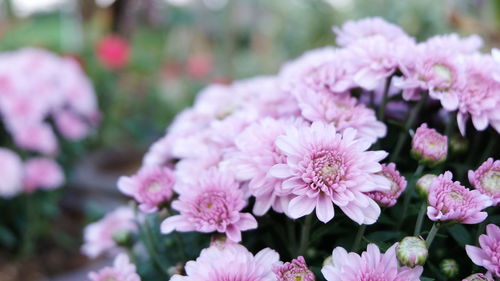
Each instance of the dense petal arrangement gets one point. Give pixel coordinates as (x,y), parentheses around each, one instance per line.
(151,187)
(43,173)
(230,262)
(122,270)
(488,254)
(429,146)
(292,271)
(486,179)
(450,201)
(371,265)
(325,168)
(388,198)
(212,204)
(98,236)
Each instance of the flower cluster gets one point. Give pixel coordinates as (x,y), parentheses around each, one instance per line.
(40,90)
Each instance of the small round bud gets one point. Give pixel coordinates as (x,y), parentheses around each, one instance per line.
(478,277)
(412,251)
(449,267)
(423,185)
(123,238)
(458,145)
(428,146)
(328,261)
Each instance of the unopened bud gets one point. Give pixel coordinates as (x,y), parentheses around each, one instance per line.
(428,146)
(412,251)
(423,185)
(449,267)
(123,238)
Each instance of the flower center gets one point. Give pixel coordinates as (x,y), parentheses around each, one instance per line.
(154,187)
(327,171)
(443,72)
(491,181)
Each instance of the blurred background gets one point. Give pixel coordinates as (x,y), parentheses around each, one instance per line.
(148,58)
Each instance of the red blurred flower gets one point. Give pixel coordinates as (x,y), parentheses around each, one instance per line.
(113,52)
(199,65)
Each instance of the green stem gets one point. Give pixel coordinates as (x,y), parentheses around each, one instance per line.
(359,236)
(304,236)
(180,244)
(409,124)
(150,246)
(30,229)
(292,240)
(432,234)
(420,219)
(409,193)
(383,103)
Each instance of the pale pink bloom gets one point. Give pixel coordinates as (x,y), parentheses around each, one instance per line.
(39,137)
(187,167)
(70,125)
(488,255)
(388,198)
(150,187)
(122,270)
(212,204)
(450,201)
(160,152)
(321,70)
(352,31)
(43,173)
(495,53)
(371,265)
(479,98)
(98,236)
(11,173)
(486,179)
(256,153)
(231,262)
(292,271)
(429,146)
(436,70)
(377,58)
(324,168)
(343,111)
(454,44)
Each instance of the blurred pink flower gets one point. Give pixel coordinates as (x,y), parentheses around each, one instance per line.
(450,201)
(231,262)
(388,198)
(371,265)
(43,173)
(343,111)
(325,168)
(429,146)
(11,173)
(39,137)
(122,270)
(213,203)
(113,52)
(488,255)
(478,277)
(486,179)
(70,126)
(292,271)
(150,187)
(199,65)
(352,31)
(98,236)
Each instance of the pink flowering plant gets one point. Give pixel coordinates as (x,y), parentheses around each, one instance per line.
(375,159)
(47,104)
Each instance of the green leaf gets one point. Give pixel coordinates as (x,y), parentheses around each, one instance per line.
(460,234)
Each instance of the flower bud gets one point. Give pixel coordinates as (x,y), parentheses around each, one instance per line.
(296,270)
(123,238)
(449,267)
(423,185)
(412,251)
(478,277)
(428,146)
(458,145)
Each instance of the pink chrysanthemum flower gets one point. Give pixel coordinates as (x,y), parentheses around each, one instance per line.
(478,277)
(213,203)
(450,201)
(488,255)
(495,54)
(371,265)
(98,236)
(44,173)
(343,111)
(150,187)
(479,98)
(122,270)
(353,31)
(230,262)
(388,198)
(486,179)
(296,270)
(256,154)
(429,146)
(325,168)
